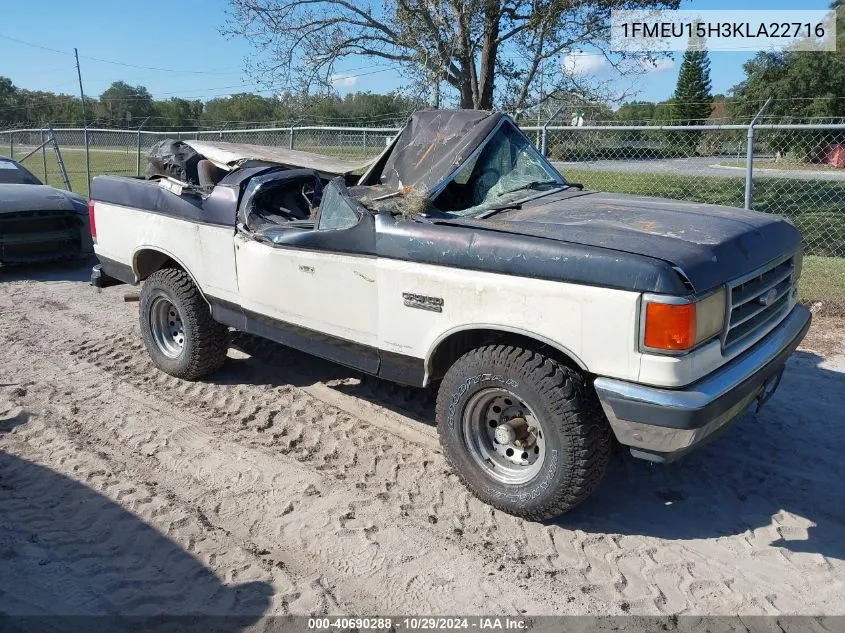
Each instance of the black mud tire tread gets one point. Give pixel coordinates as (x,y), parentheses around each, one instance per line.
(206,341)
(570,410)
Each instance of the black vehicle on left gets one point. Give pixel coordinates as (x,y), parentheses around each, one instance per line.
(39,223)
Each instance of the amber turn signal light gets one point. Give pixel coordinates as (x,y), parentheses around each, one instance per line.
(669,326)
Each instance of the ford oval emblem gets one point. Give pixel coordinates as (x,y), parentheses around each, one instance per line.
(768,298)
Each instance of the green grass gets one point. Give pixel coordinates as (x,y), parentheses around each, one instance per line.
(816,207)
(122,162)
(119,162)
(823,279)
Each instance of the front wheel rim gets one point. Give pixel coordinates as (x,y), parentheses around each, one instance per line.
(503,436)
(167,327)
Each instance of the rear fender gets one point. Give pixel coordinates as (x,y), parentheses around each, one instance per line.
(146,260)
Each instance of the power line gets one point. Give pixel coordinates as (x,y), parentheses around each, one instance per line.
(45,48)
(48,71)
(118,63)
(340,74)
(158,69)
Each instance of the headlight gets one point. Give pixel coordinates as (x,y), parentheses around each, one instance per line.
(678,325)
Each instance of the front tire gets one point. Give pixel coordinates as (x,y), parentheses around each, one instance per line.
(523,432)
(176,325)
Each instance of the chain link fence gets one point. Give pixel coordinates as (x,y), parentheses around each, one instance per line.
(797,171)
(794,170)
(124,152)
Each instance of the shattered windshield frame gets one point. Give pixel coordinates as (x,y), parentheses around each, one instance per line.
(503,171)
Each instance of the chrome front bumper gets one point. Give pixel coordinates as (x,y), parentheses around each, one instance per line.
(662,424)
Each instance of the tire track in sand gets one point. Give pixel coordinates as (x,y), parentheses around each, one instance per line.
(270,407)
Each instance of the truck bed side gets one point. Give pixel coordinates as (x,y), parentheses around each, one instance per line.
(138,222)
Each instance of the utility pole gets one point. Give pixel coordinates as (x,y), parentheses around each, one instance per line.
(84,124)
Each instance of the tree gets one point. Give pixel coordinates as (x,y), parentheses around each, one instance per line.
(465,44)
(691,103)
(381,109)
(178,114)
(645,113)
(8,100)
(37,107)
(692,99)
(805,85)
(241,107)
(21,107)
(122,105)
(7,92)
(719,112)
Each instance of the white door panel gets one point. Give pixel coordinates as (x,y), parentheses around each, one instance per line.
(328,292)
(596,325)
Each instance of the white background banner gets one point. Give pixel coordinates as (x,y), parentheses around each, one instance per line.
(732,30)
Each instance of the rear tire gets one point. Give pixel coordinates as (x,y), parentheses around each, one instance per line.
(180,336)
(524,432)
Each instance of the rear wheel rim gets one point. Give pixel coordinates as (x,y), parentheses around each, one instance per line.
(167,327)
(503,436)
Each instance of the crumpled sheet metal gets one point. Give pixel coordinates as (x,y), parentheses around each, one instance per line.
(433,144)
(228,155)
(175,159)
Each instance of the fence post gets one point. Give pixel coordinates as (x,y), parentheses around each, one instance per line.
(544,137)
(290,143)
(749,157)
(749,166)
(44,157)
(365,142)
(87,162)
(11,144)
(138,148)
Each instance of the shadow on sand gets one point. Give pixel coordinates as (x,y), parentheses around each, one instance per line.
(782,467)
(268,363)
(786,459)
(69,270)
(71,559)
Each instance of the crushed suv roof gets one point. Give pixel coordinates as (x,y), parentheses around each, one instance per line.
(228,155)
(433,144)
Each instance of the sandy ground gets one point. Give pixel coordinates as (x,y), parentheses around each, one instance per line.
(285,484)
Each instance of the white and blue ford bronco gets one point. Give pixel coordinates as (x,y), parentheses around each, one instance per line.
(552,320)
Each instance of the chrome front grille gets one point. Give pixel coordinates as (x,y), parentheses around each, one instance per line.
(758,301)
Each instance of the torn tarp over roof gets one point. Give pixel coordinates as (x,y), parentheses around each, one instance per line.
(227,155)
(433,144)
